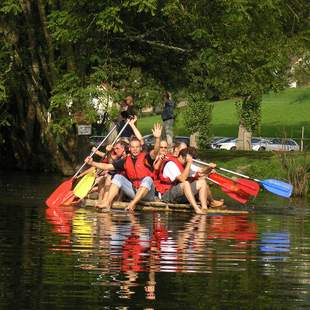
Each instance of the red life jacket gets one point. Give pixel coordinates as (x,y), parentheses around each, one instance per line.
(164,184)
(136,171)
(157,171)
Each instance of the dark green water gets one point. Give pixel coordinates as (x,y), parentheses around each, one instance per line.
(79,259)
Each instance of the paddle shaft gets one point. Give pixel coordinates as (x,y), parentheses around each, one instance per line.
(226,170)
(97,148)
(114,141)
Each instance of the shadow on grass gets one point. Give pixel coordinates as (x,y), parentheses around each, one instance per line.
(223,155)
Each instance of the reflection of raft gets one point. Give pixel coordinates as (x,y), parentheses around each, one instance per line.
(162,206)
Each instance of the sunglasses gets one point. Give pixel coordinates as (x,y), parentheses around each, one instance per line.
(163,147)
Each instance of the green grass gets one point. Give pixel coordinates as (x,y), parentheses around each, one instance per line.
(283,114)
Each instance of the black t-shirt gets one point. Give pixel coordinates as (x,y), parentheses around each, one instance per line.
(124,115)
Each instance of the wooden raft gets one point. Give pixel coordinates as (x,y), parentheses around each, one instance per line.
(162,206)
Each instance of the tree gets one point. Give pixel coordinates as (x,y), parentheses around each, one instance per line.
(245,54)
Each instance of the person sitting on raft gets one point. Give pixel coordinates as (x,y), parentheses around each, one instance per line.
(174,185)
(195,173)
(138,166)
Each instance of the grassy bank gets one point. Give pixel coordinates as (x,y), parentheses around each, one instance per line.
(283,114)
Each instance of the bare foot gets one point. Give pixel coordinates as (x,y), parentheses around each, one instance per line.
(199,211)
(101,205)
(131,207)
(217,203)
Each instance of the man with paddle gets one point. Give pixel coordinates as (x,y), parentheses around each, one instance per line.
(138,166)
(174,184)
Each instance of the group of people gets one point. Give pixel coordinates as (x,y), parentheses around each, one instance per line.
(129,169)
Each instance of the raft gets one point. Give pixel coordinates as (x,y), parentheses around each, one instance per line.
(162,206)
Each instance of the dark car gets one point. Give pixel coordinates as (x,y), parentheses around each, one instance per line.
(149,139)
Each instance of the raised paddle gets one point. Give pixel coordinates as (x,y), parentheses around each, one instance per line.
(87,182)
(276,187)
(61,193)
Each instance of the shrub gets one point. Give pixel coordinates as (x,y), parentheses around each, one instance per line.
(198,118)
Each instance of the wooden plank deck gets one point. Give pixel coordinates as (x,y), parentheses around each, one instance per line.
(162,206)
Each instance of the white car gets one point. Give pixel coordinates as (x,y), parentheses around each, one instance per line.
(228,145)
(278,144)
(259,144)
(218,142)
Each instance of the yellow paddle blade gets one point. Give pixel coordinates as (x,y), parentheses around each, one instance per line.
(85,185)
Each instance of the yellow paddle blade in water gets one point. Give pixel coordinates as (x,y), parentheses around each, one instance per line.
(85,185)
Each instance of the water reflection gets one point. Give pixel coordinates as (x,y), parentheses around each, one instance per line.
(71,258)
(120,247)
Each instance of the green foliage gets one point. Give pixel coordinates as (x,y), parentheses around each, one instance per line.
(109,19)
(249,111)
(298,171)
(198,118)
(69,98)
(11,7)
(63,51)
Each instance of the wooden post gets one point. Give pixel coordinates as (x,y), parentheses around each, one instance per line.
(302,138)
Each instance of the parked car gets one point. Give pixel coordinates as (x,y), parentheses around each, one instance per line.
(225,143)
(213,141)
(229,144)
(278,144)
(259,144)
(149,139)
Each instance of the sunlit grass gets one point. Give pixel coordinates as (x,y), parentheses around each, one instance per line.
(283,114)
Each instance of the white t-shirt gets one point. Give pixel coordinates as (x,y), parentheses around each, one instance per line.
(172,171)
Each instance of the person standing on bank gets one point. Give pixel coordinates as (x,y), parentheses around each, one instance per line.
(127,111)
(167,116)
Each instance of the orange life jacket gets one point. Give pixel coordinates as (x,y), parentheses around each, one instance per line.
(163,184)
(136,171)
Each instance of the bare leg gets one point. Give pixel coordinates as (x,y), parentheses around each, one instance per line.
(190,197)
(142,191)
(203,193)
(114,190)
(104,192)
(212,202)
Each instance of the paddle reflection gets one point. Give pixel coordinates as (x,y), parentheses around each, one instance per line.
(61,219)
(120,247)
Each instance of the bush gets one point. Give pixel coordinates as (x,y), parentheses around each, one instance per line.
(198,118)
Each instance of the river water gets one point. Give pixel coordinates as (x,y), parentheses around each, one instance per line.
(77,258)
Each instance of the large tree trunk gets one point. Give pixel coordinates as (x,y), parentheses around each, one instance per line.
(244,139)
(27,142)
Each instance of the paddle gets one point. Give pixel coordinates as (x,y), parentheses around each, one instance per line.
(87,182)
(247,186)
(229,187)
(62,192)
(276,187)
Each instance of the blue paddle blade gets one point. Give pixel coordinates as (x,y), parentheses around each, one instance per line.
(278,187)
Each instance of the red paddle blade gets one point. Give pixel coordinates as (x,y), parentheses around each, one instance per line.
(68,198)
(230,187)
(250,187)
(240,197)
(59,194)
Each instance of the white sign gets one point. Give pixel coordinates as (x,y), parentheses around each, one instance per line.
(84,130)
